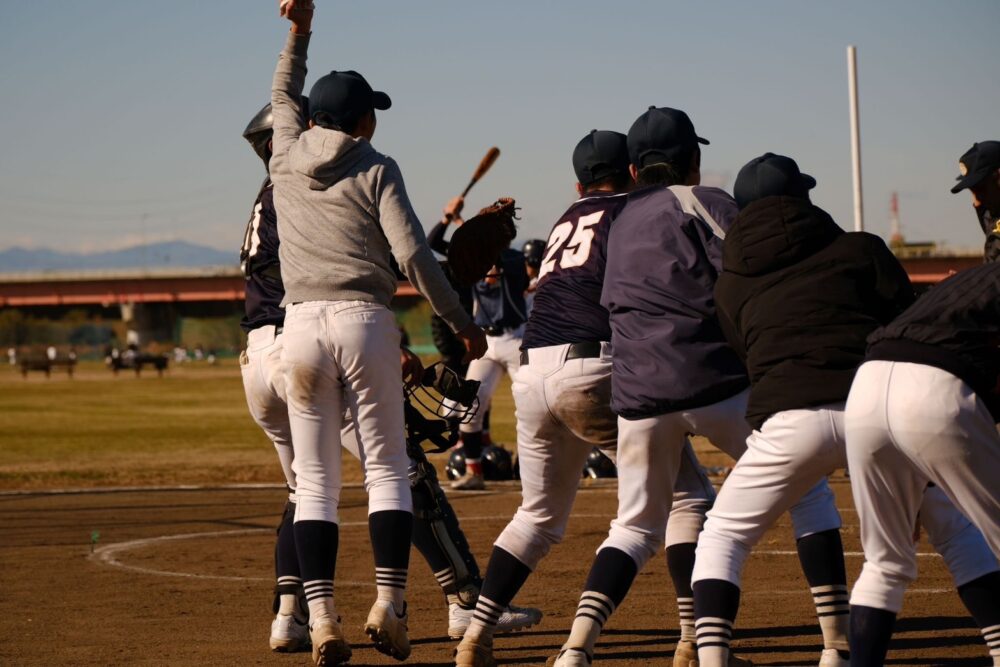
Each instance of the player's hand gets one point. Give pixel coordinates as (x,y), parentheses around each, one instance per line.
(413,370)
(453,210)
(299,12)
(475,342)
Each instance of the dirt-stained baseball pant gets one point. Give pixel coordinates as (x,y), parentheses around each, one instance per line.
(907,424)
(649,456)
(563,412)
(332,352)
(503,355)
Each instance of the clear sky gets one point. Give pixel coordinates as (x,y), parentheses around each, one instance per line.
(122,120)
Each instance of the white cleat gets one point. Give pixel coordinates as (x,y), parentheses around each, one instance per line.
(475,652)
(288,634)
(329,646)
(387,630)
(831,658)
(570,657)
(511,620)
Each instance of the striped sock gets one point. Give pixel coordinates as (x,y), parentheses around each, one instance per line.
(992,637)
(485,618)
(446,579)
(833,610)
(319,596)
(390,582)
(714,634)
(591,615)
(685,609)
(288,596)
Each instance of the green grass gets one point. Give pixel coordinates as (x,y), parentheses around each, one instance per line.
(189,427)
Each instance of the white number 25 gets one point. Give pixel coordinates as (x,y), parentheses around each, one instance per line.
(574,253)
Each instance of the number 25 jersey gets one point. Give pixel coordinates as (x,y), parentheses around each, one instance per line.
(567,306)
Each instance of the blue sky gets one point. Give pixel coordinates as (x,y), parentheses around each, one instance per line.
(122,120)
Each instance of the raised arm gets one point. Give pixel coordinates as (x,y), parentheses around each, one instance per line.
(290,78)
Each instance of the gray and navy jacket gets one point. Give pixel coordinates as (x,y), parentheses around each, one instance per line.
(259,262)
(664,256)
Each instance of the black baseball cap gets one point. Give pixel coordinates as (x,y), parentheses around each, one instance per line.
(661,134)
(343,96)
(977,163)
(771,175)
(599,155)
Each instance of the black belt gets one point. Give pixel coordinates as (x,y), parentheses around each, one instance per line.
(588,350)
(494,330)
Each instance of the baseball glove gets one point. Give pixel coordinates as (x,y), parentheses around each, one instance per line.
(475,247)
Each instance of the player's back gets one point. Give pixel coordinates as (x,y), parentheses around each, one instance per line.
(567,305)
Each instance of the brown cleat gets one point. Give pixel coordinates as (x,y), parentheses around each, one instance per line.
(475,652)
(387,630)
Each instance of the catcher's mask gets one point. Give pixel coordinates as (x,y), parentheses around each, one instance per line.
(447,400)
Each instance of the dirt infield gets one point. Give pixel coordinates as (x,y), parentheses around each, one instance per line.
(183,577)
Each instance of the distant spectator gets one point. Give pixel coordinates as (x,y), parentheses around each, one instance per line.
(51,353)
(12,356)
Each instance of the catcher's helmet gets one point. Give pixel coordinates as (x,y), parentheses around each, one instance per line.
(534,251)
(447,401)
(598,465)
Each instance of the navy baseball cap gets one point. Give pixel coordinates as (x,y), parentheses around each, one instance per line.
(599,155)
(661,134)
(977,163)
(342,96)
(771,175)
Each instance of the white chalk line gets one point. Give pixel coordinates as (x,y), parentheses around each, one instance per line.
(108,555)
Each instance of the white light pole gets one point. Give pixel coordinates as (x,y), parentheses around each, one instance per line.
(852,81)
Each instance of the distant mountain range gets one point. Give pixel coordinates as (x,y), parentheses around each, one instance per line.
(165,255)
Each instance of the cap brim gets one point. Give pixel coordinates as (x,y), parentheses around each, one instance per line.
(967,181)
(808,181)
(381,101)
(702,141)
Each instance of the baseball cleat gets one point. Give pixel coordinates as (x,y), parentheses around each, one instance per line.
(288,633)
(686,655)
(387,630)
(475,652)
(469,482)
(570,657)
(511,620)
(831,657)
(329,645)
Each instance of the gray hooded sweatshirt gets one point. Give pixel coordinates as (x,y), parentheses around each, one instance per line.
(342,210)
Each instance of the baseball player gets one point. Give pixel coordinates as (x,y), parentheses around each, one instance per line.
(533,251)
(796,300)
(980,174)
(499,308)
(672,372)
(436,533)
(342,210)
(924,408)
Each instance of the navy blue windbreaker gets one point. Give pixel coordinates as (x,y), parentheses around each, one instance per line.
(664,256)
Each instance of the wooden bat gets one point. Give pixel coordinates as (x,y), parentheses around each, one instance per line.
(484,166)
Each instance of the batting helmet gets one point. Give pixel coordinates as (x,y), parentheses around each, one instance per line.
(598,465)
(534,251)
(260,129)
(497,463)
(456,463)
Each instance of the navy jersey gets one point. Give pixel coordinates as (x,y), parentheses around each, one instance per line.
(567,306)
(259,262)
(501,305)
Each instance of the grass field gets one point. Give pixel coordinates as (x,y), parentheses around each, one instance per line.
(189,427)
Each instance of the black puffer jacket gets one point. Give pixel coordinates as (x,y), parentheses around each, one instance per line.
(797,298)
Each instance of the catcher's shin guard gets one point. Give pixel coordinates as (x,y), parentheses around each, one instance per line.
(437,534)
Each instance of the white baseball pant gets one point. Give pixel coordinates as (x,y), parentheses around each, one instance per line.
(503,354)
(264,386)
(650,455)
(563,411)
(332,352)
(907,424)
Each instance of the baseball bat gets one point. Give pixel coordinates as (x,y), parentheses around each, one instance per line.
(484,166)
